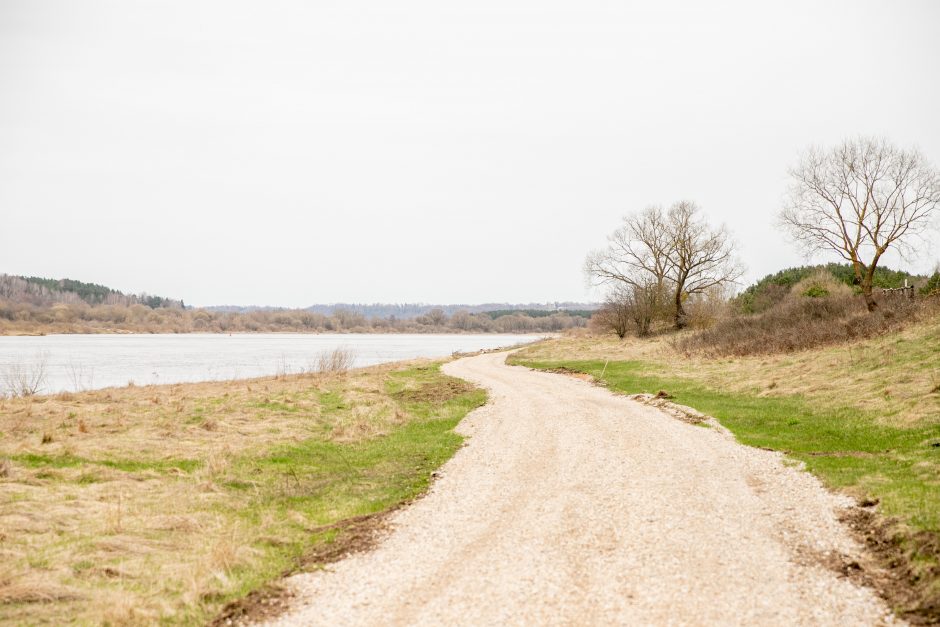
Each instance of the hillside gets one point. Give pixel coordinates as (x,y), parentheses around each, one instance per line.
(40,291)
(769,290)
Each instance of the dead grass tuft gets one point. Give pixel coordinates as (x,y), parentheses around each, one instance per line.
(25,587)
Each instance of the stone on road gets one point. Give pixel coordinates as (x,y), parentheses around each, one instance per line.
(572,505)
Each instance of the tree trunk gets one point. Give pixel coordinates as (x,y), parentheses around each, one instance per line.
(869,279)
(681,321)
(870,302)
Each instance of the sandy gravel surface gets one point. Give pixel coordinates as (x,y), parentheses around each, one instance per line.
(570,505)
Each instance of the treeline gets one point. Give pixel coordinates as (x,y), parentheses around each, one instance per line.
(61,317)
(39,292)
(413,310)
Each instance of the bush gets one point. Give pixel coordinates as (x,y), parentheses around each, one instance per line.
(800,323)
(705,310)
(819,285)
(337,361)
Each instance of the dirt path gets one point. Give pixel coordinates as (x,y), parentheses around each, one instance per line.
(570,505)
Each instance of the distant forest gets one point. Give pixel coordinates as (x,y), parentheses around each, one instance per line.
(39,291)
(31,305)
(406,311)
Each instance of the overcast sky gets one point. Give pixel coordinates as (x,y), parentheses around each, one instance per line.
(288,153)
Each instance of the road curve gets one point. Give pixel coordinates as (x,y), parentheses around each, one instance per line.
(571,505)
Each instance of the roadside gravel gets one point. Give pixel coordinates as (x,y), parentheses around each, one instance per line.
(571,505)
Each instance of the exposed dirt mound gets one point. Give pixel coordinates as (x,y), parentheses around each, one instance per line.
(909,563)
(437,392)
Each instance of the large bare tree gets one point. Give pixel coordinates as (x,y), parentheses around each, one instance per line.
(657,251)
(636,257)
(701,257)
(860,199)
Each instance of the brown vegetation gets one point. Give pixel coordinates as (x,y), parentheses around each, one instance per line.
(804,322)
(17,318)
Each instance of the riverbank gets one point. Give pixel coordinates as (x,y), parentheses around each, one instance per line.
(165,503)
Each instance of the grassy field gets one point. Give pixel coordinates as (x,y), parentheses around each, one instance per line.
(160,504)
(865,418)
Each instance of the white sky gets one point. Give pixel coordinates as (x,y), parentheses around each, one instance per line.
(287,153)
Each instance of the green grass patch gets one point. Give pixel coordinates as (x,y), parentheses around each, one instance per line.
(331,402)
(277,406)
(294,488)
(33,460)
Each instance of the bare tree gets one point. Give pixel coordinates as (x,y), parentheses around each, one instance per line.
(614,315)
(701,257)
(860,199)
(636,257)
(656,252)
(626,307)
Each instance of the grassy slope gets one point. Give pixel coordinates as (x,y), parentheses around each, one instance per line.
(871,443)
(161,504)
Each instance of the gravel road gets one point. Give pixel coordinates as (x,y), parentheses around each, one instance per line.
(571,505)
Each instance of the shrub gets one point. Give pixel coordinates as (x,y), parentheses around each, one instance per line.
(800,323)
(706,309)
(24,379)
(819,285)
(337,361)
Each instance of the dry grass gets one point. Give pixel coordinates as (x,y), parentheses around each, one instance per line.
(896,375)
(115,505)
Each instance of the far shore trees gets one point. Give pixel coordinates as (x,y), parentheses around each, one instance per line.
(658,258)
(860,199)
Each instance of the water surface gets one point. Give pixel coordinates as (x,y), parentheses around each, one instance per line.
(82,362)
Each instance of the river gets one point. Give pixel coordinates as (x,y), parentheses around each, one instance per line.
(83,362)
